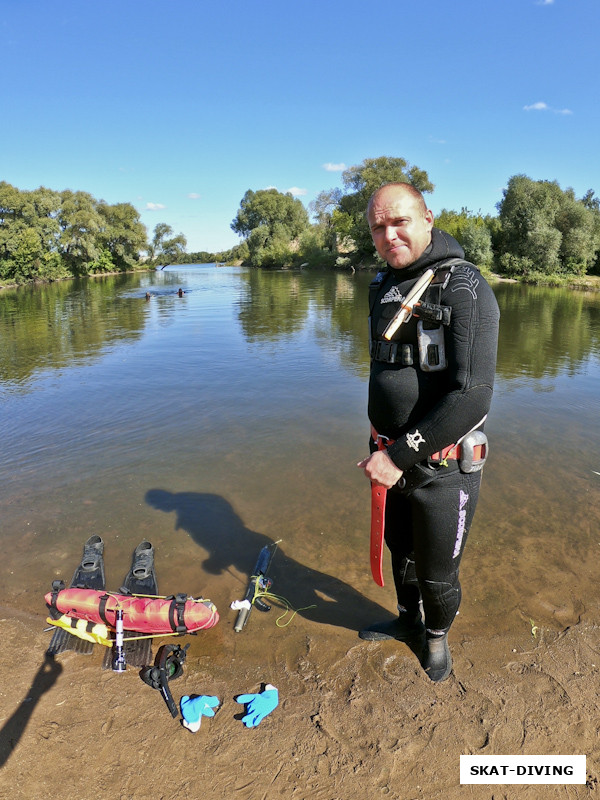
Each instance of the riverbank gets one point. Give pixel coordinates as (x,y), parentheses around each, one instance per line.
(582,283)
(353,719)
(44,282)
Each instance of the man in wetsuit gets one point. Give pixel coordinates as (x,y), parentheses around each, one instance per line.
(430,386)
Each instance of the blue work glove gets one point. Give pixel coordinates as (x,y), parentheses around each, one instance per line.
(194,708)
(259,705)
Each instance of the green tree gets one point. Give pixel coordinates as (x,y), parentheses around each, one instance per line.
(122,233)
(579,241)
(238,252)
(46,234)
(477,244)
(40,211)
(270,222)
(161,230)
(26,256)
(360,182)
(80,225)
(323,208)
(28,230)
(592,203)
(471,231)
(545,230)
(166,250)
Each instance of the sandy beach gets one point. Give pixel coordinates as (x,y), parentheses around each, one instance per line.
(354,718)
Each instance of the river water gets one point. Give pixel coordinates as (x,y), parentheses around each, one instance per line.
(233,416)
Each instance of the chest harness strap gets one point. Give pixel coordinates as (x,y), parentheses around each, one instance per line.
(431,316)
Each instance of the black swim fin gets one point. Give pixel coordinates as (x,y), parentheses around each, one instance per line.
(88,575)
(141,579)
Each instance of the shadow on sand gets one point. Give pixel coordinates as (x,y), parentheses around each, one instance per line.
(213,524)
(14,727)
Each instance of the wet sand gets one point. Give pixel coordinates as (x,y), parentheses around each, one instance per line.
(354,718)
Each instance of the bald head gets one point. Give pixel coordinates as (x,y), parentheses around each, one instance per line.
(398,188)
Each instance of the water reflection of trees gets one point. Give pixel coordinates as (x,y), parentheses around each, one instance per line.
(56,325)
(345,330)
(544,331)
(277,304)
(273,305)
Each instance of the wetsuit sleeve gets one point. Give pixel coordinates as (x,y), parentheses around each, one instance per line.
(471,345)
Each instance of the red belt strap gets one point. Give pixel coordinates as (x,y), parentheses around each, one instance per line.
(453,452)
(378,498)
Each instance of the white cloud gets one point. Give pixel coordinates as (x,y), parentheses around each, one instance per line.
(539,106)
(194,196)
(544,2)
(154,206)
(329,167)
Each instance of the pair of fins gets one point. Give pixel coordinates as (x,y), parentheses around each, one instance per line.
(141,579)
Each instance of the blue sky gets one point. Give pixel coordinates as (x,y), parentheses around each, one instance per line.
(180,106)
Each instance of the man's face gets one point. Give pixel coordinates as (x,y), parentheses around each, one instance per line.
(400,228)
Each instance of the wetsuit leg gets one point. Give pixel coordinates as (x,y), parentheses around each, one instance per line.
(442,516)
(426,534)
(398,538)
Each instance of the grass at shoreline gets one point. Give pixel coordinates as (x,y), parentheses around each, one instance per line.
(585,283)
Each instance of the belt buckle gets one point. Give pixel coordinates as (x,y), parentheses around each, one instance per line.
(379,441)
(440,459)
(468,462)
(432,461)
(386,351)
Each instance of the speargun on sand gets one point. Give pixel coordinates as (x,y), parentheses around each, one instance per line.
(259,583)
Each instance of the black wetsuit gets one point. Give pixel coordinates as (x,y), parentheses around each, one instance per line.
(425,408)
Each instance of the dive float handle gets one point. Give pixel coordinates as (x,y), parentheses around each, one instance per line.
(242,618)
(118,661)
(406,309)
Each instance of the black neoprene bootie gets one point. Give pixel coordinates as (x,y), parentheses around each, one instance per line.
(405,629)
(436,659)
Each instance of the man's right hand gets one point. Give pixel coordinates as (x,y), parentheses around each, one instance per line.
(380,469)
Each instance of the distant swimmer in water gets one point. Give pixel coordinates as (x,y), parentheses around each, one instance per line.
(180,293)
(148,295)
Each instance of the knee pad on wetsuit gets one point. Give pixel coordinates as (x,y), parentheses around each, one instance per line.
(441,600)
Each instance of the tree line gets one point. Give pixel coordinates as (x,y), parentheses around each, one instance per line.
(541,232)
(47,235)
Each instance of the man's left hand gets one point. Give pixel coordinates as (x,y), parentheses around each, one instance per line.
(380,469)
